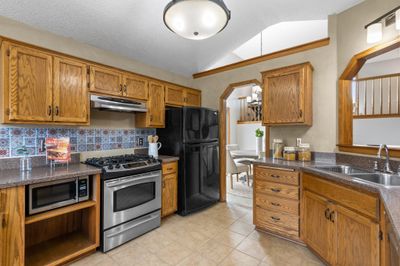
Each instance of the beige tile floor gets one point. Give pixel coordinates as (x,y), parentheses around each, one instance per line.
(221,235)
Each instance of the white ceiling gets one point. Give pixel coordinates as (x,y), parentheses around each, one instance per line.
(135,28)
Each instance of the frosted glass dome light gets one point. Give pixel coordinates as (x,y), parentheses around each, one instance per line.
(196,19)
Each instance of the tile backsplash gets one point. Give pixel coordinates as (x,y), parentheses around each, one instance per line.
(82,140)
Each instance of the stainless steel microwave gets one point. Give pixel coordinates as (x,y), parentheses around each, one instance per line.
(55,194)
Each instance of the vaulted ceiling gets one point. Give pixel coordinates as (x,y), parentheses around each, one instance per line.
(135,28)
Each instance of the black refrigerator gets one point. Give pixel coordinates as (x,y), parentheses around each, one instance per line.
(192,134)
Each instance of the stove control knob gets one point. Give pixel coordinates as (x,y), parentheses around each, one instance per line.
(117,166)
(110,167)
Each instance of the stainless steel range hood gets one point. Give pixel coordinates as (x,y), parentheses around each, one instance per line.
(116,104)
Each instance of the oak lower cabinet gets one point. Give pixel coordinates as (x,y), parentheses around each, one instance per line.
(12,226)
(169,188)
(392,248)
(155,115)
(39,87)
(331,227)
(287,95)
(276,201)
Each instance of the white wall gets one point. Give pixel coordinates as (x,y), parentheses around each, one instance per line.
(246,136)
(376,131)
(381,68)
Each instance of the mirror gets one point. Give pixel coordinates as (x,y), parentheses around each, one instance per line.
(376,101)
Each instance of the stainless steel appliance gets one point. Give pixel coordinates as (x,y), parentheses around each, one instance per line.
(51,195)
(116,104)
(131,197)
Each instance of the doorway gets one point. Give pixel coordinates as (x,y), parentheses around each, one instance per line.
(240,116)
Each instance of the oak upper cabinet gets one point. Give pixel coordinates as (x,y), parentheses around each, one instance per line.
(192,97)
(71,100)
(169,188)
(27,84)
(287,95)
(106,80)
(155,115)
(339,223)
(174,95)
(135,87)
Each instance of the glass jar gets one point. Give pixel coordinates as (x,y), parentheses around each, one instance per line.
(304,152)
(289,153)
(277,149)
(25,164)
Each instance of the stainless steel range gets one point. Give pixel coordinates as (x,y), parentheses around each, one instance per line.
(131,197)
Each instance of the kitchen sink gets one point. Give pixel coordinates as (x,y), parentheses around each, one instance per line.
(379,178)
(343,169)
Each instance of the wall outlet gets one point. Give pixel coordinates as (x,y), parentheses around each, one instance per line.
(140,141)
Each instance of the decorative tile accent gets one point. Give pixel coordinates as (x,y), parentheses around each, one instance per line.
(82,140)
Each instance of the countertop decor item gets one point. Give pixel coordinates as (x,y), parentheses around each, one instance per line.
(25,161)
(154,145)
(196,19)
(259,141)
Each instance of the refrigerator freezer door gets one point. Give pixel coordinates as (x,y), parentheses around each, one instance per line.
(192,125)
(209,125)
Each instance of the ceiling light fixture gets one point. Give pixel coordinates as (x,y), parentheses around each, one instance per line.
(196,19)
(375,28)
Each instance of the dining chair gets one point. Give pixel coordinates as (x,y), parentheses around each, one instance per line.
(235,168)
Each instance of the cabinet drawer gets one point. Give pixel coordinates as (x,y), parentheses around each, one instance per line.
(277,175)
(364,203)
(169,168)
(277,204)
(276,189)
(273,221)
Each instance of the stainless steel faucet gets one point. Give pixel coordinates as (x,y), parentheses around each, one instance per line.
(386,167)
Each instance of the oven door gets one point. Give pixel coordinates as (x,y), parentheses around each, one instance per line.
(51,195)
(127,198)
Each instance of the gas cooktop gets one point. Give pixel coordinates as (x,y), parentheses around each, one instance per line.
(123,163)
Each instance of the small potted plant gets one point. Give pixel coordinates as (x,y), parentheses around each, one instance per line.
(259,141)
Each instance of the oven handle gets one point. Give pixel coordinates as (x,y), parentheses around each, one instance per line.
(129,181)
(151,217)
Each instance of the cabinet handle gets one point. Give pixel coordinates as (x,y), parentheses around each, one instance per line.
(125,90)
(275,204)
(57,110)
(332,217)
(170,169)
(301,113)
(275,190)
(120,89)
(275,176)
(327,211)
(275,218)
(151,118)
(163,184)
(3,220)
(49,110)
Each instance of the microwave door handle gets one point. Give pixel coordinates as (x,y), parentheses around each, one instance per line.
(77,190)
(150,217)
(130,181)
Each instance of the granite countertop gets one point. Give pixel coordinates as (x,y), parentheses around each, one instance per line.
(390,196)
(14,177)
(168,159)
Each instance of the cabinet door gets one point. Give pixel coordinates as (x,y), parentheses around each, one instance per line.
(174,95)
(71,99)
(357,238)
(30,85)
(283,96)
(317,231)
(104,80)
(135,87)
(169,194)
(156,105)
(192,98)
(12,226)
